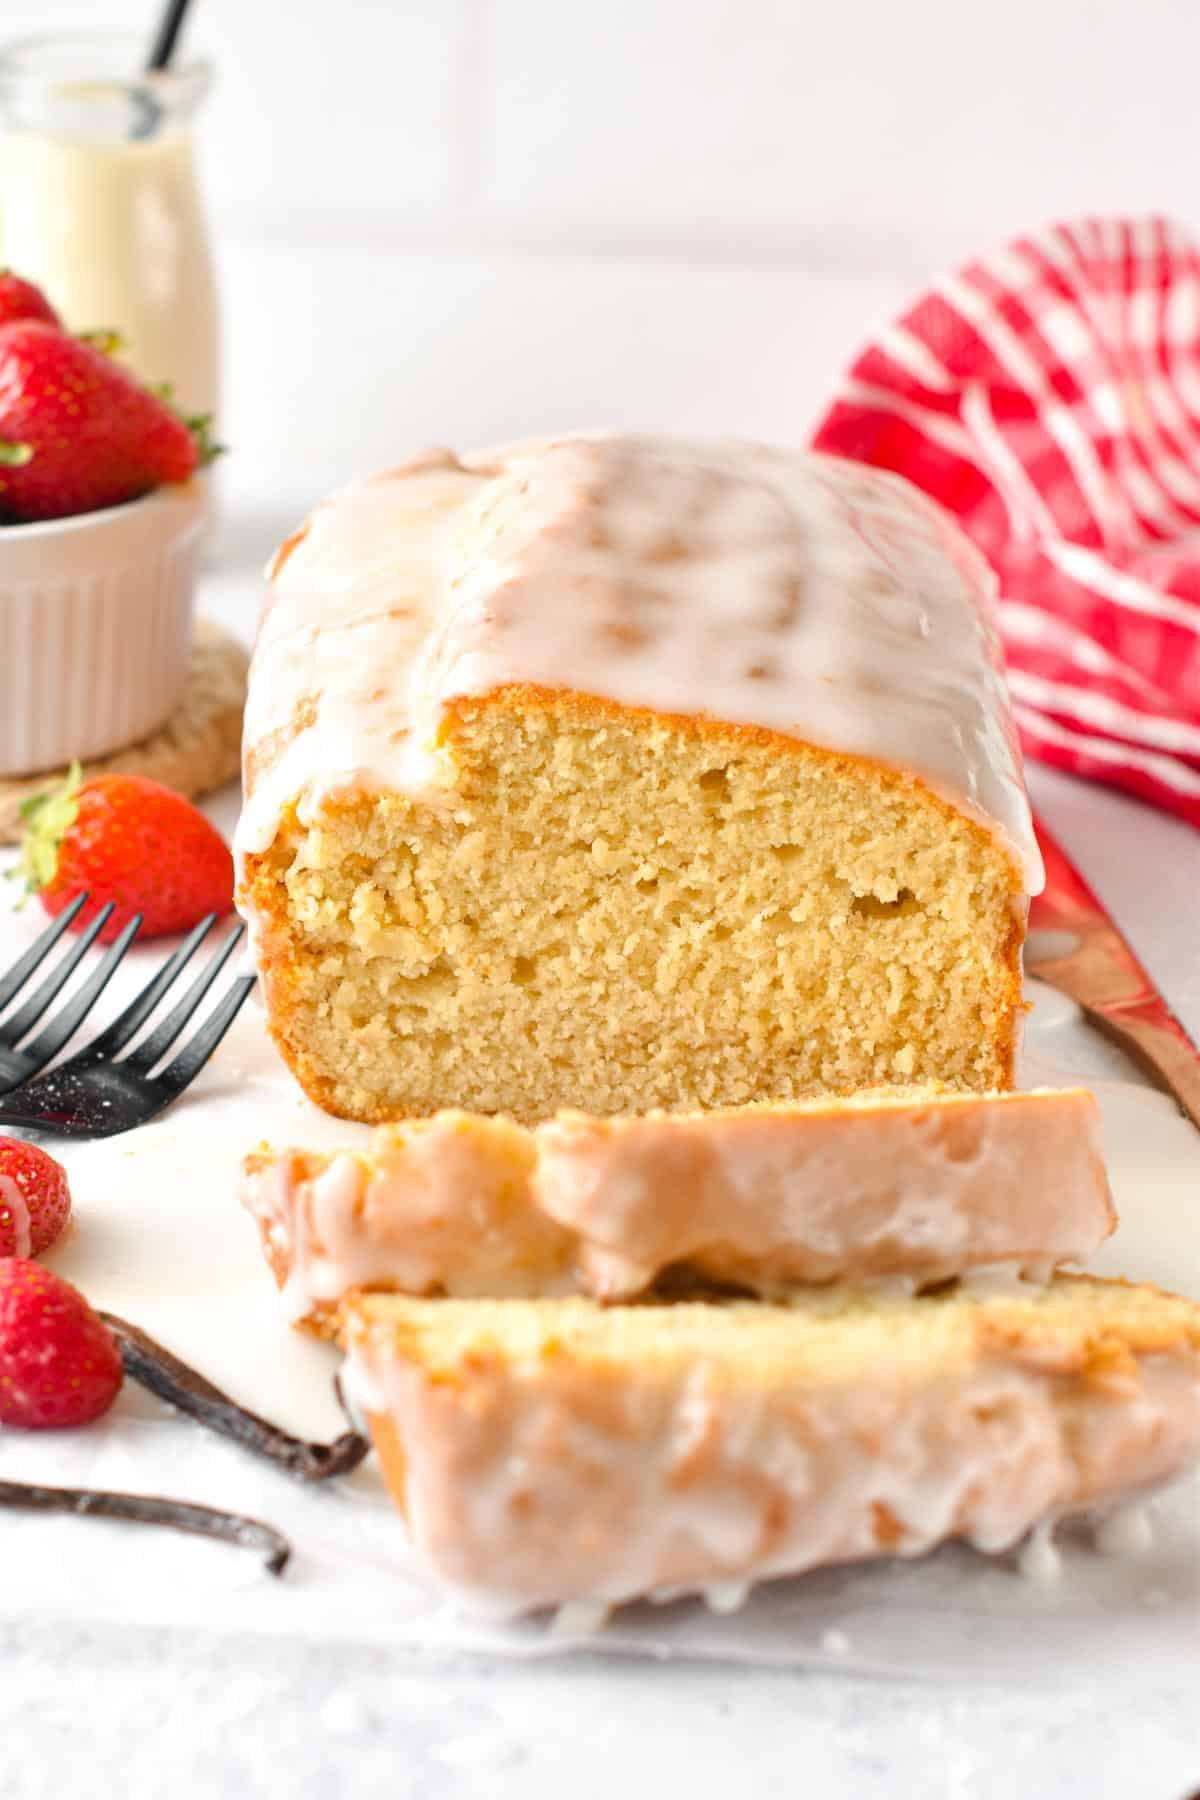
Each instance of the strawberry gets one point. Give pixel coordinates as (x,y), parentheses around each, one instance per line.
(78,432)
(129,840)
(35,1201)
(21,300)
(59,1364)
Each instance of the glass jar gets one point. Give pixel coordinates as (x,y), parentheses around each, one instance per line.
(99,203)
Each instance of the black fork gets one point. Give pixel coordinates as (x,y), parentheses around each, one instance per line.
(19,1062)
(97,1092)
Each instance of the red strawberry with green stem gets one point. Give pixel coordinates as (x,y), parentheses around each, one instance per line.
(60,1365)
(130,840)
(79,432)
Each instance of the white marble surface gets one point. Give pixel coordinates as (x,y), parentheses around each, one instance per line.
(467,347)
(153,1715)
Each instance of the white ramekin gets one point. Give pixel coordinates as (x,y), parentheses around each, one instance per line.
(95,627)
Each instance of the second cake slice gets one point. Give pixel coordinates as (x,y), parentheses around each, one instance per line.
(916,1184)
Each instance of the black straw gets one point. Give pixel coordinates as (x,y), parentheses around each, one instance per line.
(167,35)
(154,1367)
(152,1509)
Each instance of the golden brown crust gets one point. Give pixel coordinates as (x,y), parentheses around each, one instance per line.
(1097,1349)
(285,550)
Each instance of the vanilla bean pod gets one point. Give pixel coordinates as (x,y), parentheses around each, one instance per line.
(153,1509)
(154,1367)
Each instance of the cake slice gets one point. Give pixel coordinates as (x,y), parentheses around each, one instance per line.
(556,1450)
(630,772)
(907,1183)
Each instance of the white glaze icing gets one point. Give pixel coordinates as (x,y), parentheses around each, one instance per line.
(726,1596)
(1039,1559)
(361,1394)
(1009,1279)
(540,1487)
(878,1186)
(904,1189)
(434,1212)
(1125,1531)
(809,596)
(579,1619)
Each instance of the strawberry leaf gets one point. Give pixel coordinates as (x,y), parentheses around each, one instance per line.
(199,424)
(109,343)
(207,447)
(48,817)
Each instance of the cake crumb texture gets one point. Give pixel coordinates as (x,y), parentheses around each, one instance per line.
(608,908)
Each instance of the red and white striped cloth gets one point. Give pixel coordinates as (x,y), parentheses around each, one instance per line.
(1049,396)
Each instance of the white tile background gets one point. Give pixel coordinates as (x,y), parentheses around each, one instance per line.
(861,135)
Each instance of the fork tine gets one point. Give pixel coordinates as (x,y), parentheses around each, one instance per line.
(143,1059)
(195,1054)
(118,1034)
(14,1029)
(68,1018)
(21,970)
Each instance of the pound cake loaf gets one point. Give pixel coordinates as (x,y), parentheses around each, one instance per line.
(549,1451)
(919,1186)
(627,773)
